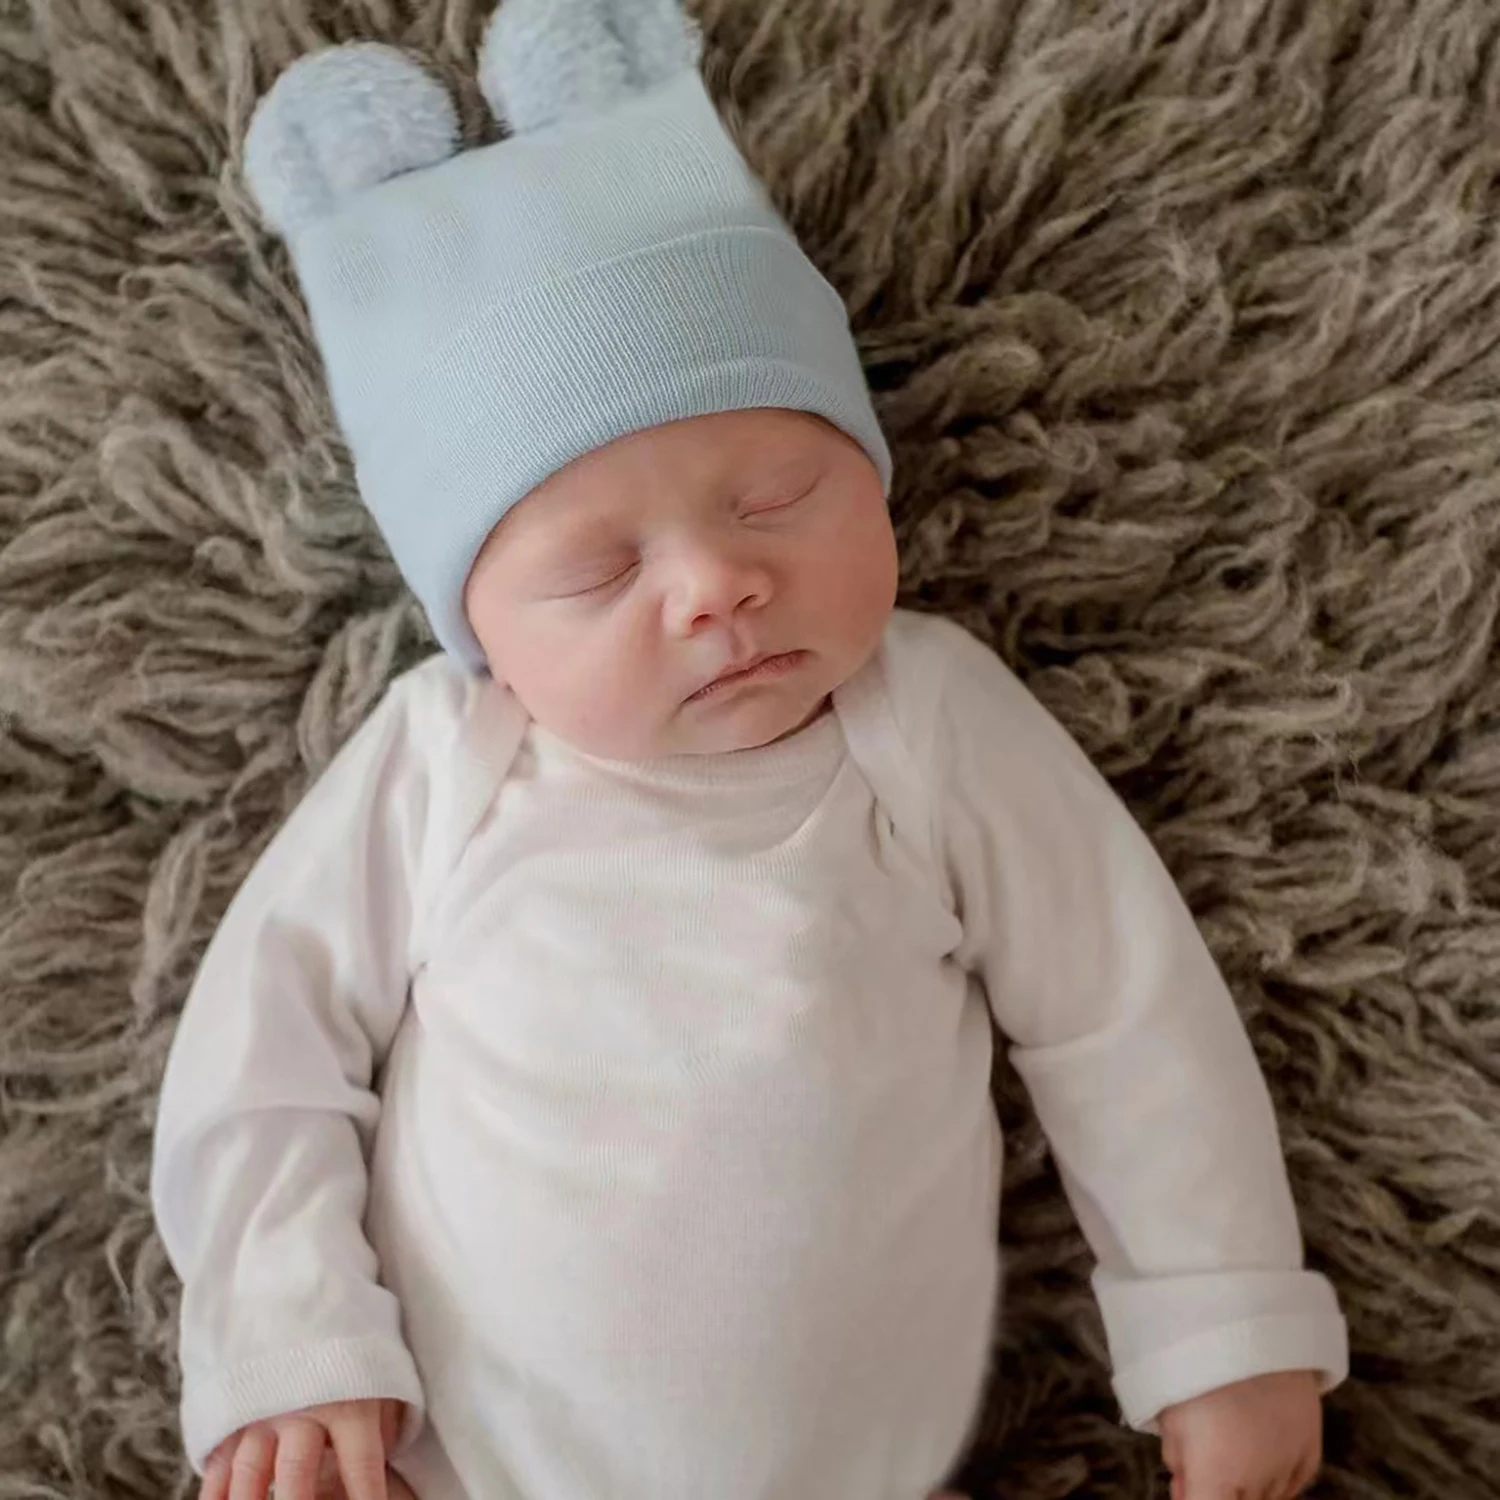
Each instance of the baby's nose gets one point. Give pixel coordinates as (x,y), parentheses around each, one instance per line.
(713,586)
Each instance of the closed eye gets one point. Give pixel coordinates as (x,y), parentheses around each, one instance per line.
(769,506)
(580,591)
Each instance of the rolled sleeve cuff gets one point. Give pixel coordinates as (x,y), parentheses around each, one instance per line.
(363,1369)
(1263,1324)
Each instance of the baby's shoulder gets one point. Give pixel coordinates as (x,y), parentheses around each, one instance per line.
(438,684)
(934,649)
(921,642)
(459,733)
(935,670)
(962,708)
(447,711)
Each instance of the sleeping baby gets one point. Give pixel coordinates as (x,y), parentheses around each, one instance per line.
(587,1095)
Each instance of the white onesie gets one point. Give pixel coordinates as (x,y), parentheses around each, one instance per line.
(631,1121)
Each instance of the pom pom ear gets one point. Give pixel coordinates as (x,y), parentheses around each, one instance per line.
(659,38)
(544,61)
(341,120)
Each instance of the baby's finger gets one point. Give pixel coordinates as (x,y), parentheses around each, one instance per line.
(299,1456)
(1307,1472)
(398,1487)
(215,1484)
(253,1464)
(361,1456)
(1196,1487)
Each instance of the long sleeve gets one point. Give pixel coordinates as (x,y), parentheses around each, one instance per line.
(1135,1058)
(267,1108)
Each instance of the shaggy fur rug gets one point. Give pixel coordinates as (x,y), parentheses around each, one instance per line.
(1183,318)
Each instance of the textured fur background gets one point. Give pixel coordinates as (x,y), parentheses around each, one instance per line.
(1183,316)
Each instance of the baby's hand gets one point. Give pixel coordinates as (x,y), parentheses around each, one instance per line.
(1261,1439)
(290,1452)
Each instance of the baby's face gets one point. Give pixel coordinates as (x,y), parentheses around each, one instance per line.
(616,596)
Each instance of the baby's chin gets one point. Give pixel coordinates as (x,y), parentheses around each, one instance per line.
(749,723)
(750,728)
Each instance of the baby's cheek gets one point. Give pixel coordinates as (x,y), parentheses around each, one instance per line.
(589,714)
(558,688)
(515,659)
(859,584)
(527,657)
(627,701)
(597,694)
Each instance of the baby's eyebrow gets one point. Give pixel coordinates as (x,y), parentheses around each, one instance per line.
(785,484)
(798,468)
(577,534)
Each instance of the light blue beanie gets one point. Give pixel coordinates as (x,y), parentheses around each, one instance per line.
(487,316)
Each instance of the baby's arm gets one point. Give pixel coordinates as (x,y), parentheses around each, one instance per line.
(267,1110)
(1134,1055)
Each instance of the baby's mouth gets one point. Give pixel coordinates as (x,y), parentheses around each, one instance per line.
(757,669)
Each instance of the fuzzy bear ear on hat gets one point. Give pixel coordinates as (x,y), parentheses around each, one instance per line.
(546,61)
(339,121)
